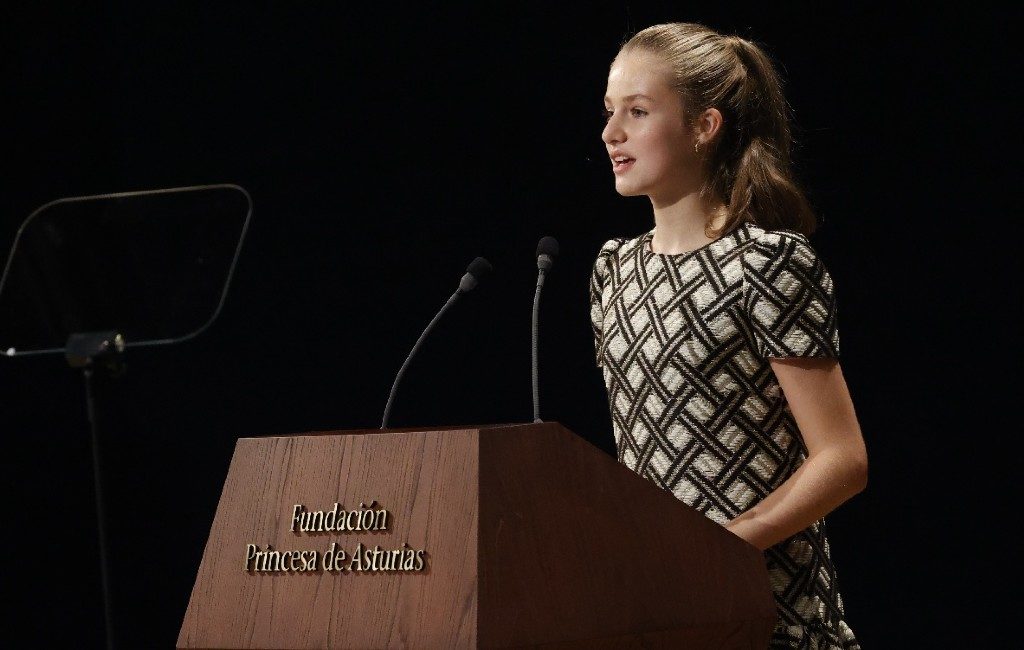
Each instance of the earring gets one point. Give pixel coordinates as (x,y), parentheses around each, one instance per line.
(696,147)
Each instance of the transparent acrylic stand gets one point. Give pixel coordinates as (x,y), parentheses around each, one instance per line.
(93,276)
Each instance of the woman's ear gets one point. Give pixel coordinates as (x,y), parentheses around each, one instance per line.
(708,124)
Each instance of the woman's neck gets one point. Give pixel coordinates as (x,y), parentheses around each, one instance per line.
(679,222)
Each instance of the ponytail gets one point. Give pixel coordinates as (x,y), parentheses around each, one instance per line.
(748,164)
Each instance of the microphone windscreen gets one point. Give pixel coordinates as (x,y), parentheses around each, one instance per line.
(479,268)
(547,246)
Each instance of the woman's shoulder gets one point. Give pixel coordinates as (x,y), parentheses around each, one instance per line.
(611,254)
(619,246)
(767,245)
(761,237)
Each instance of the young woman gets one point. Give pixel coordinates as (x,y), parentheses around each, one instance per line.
(716,330)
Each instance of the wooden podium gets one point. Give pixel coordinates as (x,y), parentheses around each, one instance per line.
(499,537)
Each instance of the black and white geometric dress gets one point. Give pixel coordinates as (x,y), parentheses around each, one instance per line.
(684,342)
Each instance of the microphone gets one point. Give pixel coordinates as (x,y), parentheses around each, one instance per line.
(476,271)
(547,251)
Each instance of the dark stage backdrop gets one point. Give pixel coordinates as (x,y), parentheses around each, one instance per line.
(384,149)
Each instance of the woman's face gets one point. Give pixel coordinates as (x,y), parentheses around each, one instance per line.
(646,135)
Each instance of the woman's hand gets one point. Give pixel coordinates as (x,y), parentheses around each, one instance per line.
(836,467)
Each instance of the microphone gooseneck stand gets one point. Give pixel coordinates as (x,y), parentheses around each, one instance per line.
(412,353)
(547,250)
(98,352)
(478,268)
(536,320)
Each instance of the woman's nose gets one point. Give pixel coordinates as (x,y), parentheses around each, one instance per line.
(613,133)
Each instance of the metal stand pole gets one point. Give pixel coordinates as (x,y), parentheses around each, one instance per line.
(101,517)
(92,352)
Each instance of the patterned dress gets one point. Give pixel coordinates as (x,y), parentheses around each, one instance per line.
(684,341)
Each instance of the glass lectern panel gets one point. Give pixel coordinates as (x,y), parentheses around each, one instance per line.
(154,266)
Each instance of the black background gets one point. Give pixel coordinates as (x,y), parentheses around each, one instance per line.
(386,147)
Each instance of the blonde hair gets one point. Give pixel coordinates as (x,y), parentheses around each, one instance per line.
(748,163)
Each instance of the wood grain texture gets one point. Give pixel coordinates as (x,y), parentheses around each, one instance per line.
(427,480)
(535,538)
(574,546)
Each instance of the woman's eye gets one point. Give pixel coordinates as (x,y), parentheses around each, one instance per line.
(606,114)
(638,112)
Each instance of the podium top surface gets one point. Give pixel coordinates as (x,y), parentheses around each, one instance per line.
(352,432)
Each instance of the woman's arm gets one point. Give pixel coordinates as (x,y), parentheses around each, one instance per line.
(836,467)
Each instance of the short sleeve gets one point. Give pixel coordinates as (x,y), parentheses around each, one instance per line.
(599,278)
(789,298)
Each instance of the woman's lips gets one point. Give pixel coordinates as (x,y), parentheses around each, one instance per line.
(622,167)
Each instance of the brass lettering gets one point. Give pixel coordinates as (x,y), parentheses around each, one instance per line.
(331,518)
(357,558)
(274,558)
(363,558)
(368,517)
(368,559)
(329,557)
(250,553)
